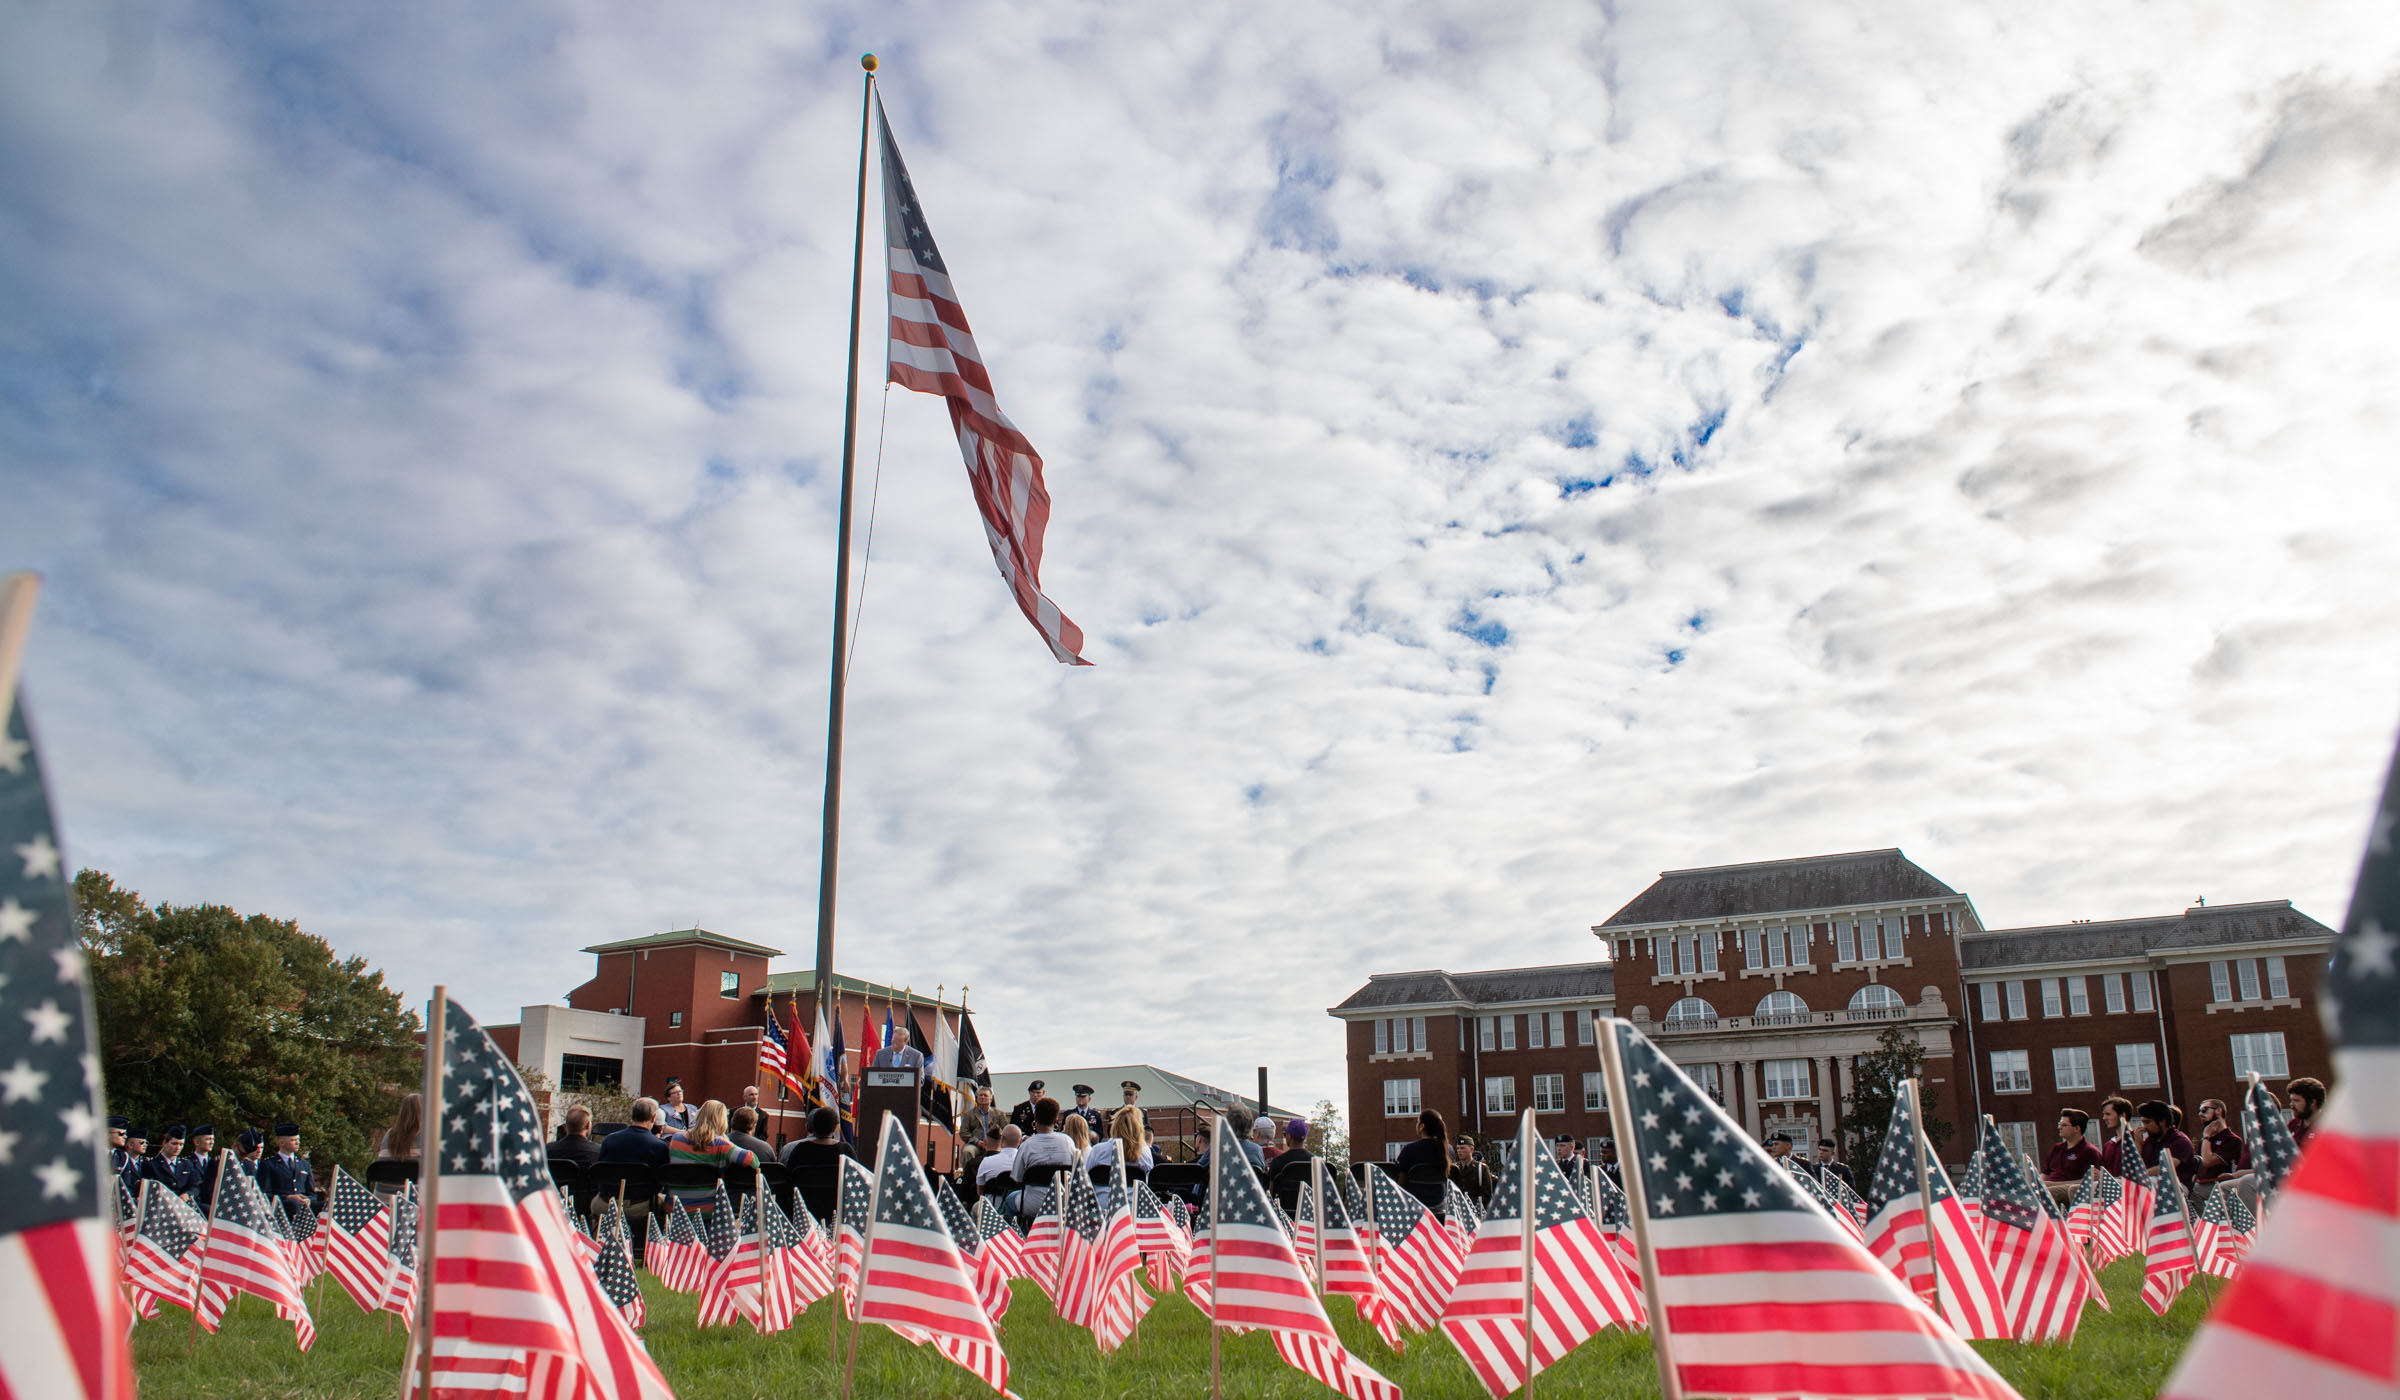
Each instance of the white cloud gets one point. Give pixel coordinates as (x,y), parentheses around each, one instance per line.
(1495,459)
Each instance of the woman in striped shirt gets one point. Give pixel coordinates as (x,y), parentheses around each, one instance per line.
(705,1144)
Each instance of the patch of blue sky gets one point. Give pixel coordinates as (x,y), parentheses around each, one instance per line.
(1487,631)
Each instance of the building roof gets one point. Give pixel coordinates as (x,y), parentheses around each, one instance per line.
(677,937)
(2204,926)
(1586,981)
(805,980)
(1778,886)
(1161,1088)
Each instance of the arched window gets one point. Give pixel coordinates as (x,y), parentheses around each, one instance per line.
(1877,999)
(1780,1006)
(1690,1011)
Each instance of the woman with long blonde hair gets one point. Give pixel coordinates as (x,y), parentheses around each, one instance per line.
(1079,1133)
(705,1144)
(1126,1143)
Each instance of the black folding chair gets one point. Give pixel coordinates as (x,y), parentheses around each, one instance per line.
(1038,1179)
(817,1187)
(1183,1180)
(389,1176)
(632,1183)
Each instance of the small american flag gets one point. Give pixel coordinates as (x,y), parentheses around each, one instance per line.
(1244,1274)
(402,1298)
(809,1262)
(1762,1293)
(614,1267)
(854,1207)
(2043,1278)
(1040,1251)
(933,352)
(2225,1226)
(2168,1258)
(509,1307)
(912,1277)
(1814,1189)
(1417,1256)
(736,1283)
(2268,1133)
(1097,1261)
(360,1253)
(999,1242)
(1347,1269)
(1577,1286)
(2136,1201)
(720,1225)
(245,1252)
(67,1322)
(160,1260)
(2312,1312)
(1921,1231)
(1971,1189)
(1165,1247)
(2095,1219)
(991,1275)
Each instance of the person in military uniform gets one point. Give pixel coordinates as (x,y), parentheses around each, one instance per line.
(170,1168)
(204,1165)
(1132,1092)
(1083,1109)
(286,1174)
(1022,1114)
(246,1150)
(118,1157)
(137,1159)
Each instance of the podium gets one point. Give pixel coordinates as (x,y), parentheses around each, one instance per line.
(882,1089)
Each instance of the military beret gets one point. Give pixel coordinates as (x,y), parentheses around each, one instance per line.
(287,1130)
(204,1130)
(252,1137)
(1083,1088)
(1779,1137)
(173,1130)
(119,1122)
(1035,1087)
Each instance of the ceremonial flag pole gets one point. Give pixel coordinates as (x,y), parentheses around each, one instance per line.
(841,574)
(429,1173)
(1637,1197)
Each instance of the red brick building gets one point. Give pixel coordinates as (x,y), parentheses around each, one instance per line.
(1767,981)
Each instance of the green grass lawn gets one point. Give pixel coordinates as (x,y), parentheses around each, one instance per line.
(2115,1357)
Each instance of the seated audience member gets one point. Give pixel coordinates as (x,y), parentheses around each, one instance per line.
(823,1147)
(1261,1146)
(2070,1157)
(2222,1152)
(706,1143)
(1243,1121)
(1078,1131)
(1426,1153)
(2304,1097)
(2116,1112)
(1047,1147)
(744,1132)
(575,1138)
(987,1142)
(1293,1161)
(638,1144)
(2161,1137)
(1001,1160)
(673,1113)
(399,1141)
(1124,1144)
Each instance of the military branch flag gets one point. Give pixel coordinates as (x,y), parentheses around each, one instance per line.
(507,1304)
(933,352)
(1759,1293)
(360,1251)
(2222,1234)
(2273,1154)
(2313,1310)
(1921,1230)
(1245,1274)
(2043,1280)
(245,1252)
(67,1321)
(2169,1258)
(912,1277)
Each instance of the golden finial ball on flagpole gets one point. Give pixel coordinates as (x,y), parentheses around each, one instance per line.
(867,61)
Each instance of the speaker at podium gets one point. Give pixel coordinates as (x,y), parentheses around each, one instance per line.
(889,1085)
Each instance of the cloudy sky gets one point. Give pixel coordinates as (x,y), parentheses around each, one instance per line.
(1495,457)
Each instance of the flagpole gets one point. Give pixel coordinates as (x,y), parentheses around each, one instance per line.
(866,1247)
(200,1270)
(1216,1330)
(429,1182)
(1933,1243)
(1637,1200)
(1316,1188)
(827,863)
(1525,1218)
(17,592)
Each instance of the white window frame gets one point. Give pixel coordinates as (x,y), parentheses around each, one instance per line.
(1890,1000)
(1990,996)
(1533,1031)
(2052,1007)
(1845,942)
(1584,1023)
(2260,1053)
(2023,1139)
(1391,1151)
(1487,1032)
(1893,931)
(1595,1091)
(1549,1093)
(1709,1078)
(1681,1002)
(1403,1098)
(2112,992)
(1777,999)
(1708,952)
(1775,947)
(1558,1028)
(2071,1067)
(2245,971)
(2012,1072)
(1753,948)
(2137,1065)
(2079,999)
(1423,1044)
(1783,1081)
(2141,989)
(2220,981)
(1499,1093)
(2279,980)
(2016,1000)
(1383,1035)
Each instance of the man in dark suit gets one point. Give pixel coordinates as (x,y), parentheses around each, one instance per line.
(575,1138)
(638,1145)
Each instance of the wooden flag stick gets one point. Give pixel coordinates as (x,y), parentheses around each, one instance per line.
(758,1204)
(429,1184)
(17,592)
(1637,1200)
(1316,1194)
(1216,1161)
(866,1246)
(1528,1142)
(1933,1240)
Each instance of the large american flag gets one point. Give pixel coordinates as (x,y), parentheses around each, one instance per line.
(2169,1259)
(1761,1292)
(360,1251)
(245,1252)
(67,1321)
(1921,1230)
(2222,1233)
(507,1304)
(2273,1153)
(1244,1274)
(1417,1256)
(2313,1310)
(933,352)
(912,1277)
(2043,1279)
(1561,1268)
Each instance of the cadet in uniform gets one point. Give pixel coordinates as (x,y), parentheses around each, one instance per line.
(118,1158)
(1022,1114)
(1083,1109)
(204,1165)
(170,1168)
(137,1160)
(286,1174)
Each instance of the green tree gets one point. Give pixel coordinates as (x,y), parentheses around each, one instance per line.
(1328,1136)
(1867,1112)
(210,1015)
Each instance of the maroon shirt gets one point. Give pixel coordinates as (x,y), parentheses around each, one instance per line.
(2232,1154)
(2069,1163)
